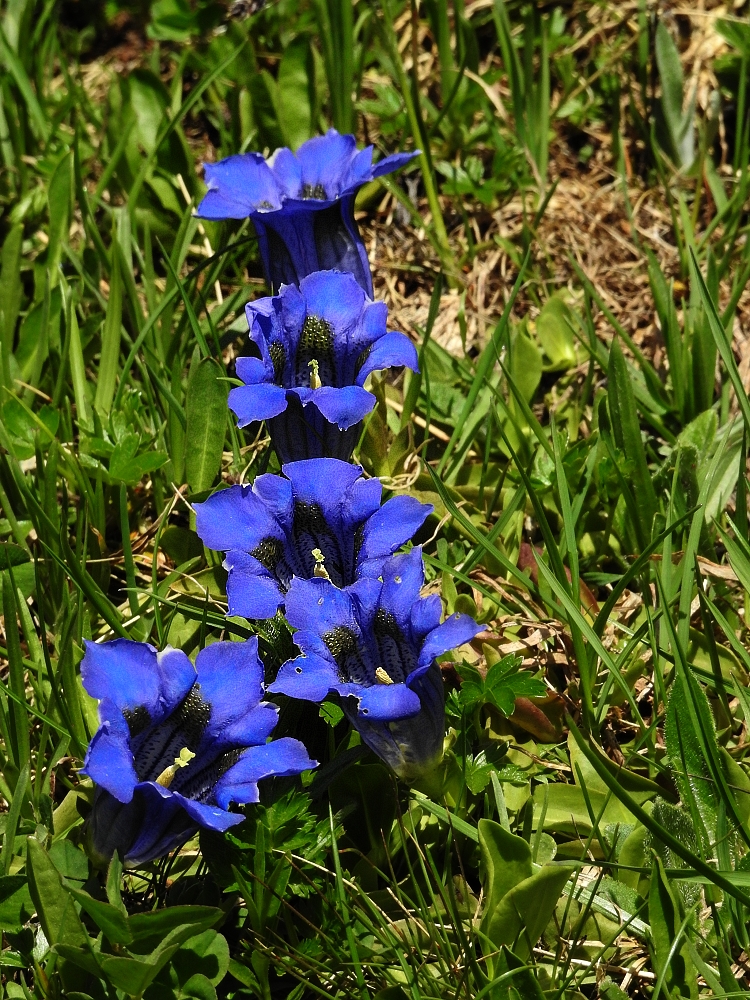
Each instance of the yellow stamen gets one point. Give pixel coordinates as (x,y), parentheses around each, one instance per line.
(320,565)
(315,382)
(382,676)
(166,777)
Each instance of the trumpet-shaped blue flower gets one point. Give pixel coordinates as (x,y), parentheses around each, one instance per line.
(324,519)
(301,204)
(317,345)
(177,744)
(375,645)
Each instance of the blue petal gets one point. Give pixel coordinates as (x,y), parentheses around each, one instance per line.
(109,761)
(309,678)
(359,171)
(164,824)
(403,576)
(140,830)
(455,631)
(317,606)
(336,297)
(234,518)
(287,172)
(251,590)
(343,407)
(282,758)
(363,500)
(264,324)
(391,351)
(237,187)
(207,816)
(277,496)
(323,481)
(325,160)
(385,702)
(253,370)
(389,527)
(130,675)
(256,402)
(230,676)
(425,616)
(393,162)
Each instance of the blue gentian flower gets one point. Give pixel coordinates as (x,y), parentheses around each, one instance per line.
(324,519)
(177,744)
(317,345)
(375,645)
(302,205)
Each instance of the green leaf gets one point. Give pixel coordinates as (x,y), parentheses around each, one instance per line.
(206,955)
(60,196)
(627,434)
(10,297)
(157,924)
(665,917)
(679,126)
(69,860)
(16,904)
(206,411)
(126,466)
(109,919)
(57,912)
(296,92)
(506,861)
(197,986)
(691,772)
(502,684)
(526,909)
(12,555)
(554,328)
(568,811)
(110,358)
(58,917)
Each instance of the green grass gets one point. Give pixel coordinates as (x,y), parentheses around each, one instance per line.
(590,490)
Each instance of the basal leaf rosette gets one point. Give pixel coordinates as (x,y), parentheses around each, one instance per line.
(301,204)
(177,744)
(375,645)
(316,344)
(322,518)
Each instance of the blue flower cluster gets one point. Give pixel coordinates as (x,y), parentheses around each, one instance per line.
(179,744)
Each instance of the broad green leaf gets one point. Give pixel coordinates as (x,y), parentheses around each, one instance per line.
(679,125)
(685,753)
(12,555)
(296,92)
(666,917)
(126,466)
(109,919)
(149,100)
(206,411)
(554,328)
(16,905)
(525,364)
(58,917)
(567,811)
(205,955)
(198,987)
(506,861)
(157,924)
(265,97)
(525,910)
